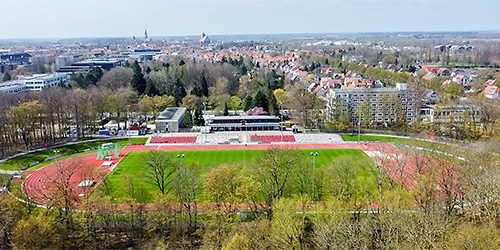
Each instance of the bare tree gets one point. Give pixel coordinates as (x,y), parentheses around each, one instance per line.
(159,170)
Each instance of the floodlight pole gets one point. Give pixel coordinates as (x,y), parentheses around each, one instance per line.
(180,169)
(314,166)
(55,154)
(281,123)
(128,123)
(180,157)
(359,124)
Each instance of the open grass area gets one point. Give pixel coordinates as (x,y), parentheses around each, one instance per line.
(133,165)
(375,138)
(24,160)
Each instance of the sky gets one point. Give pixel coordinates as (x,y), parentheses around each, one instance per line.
(127,18)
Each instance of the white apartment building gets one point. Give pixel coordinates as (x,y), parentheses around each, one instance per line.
(450,113)
(14,86)
(43,81)
(34,83)
(385,104)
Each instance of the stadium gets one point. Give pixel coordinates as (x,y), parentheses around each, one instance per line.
(86,172)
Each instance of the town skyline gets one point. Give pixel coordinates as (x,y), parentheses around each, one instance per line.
(114,18)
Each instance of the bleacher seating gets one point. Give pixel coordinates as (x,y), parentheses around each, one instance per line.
(184,139)
(271,138)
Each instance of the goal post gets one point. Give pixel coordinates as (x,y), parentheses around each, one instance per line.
(107,150)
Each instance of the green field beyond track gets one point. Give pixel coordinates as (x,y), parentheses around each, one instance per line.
(24,160)
(133,165)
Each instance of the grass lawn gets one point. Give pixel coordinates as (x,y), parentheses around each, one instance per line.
(133,162)
(375,138)
(24,160)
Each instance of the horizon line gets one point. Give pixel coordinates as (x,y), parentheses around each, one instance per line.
(259,34)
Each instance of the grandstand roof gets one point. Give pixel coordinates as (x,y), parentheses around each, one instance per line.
(245,117)
(171,114)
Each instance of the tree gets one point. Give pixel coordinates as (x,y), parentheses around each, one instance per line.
(191,102)
(204,86)
(273,173)
(186,187)
(248,102)
(42,233)
(454,90)
(93,76)
(198,118)
(300,101)
(260,100)
(226,110)
(179,92)
(6,77)
(279,94)
(187,121)
(138,82)
(288,225)
(159,170)
(219,94)
(225,185)
(235,103)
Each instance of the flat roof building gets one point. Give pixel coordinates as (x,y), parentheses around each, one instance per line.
(384,104)
(244,123)
(34,82)
(170,120)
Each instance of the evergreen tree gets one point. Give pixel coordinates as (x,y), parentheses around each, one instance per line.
(248,102)
(93,76)
(179,92)
(197,91)
(204,86)
(198,117)
(187,121)
(138,82)
(260,100)
(6,77)
(243,70)
(226,110)
(273,104)
(151,89)
(181,62)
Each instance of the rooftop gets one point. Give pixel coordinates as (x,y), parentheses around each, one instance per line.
(245,117)
(171,114)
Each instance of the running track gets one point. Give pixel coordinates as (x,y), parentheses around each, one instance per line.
(39,185)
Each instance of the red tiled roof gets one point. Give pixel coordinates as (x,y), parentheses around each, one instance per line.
(490,90)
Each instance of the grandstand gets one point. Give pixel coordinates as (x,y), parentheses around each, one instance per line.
(218,138)
(318,138)
(174,139)
(271,138)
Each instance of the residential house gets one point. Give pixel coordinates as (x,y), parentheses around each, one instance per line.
(492,92)
(443,72)
(429,68)
(429,76)
(490,82)
(374,82)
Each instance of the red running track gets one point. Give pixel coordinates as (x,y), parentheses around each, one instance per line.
(40,184)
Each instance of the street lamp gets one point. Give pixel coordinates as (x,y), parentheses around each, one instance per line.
(314,166)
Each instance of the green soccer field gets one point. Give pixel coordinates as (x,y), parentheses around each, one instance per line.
(133,165)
